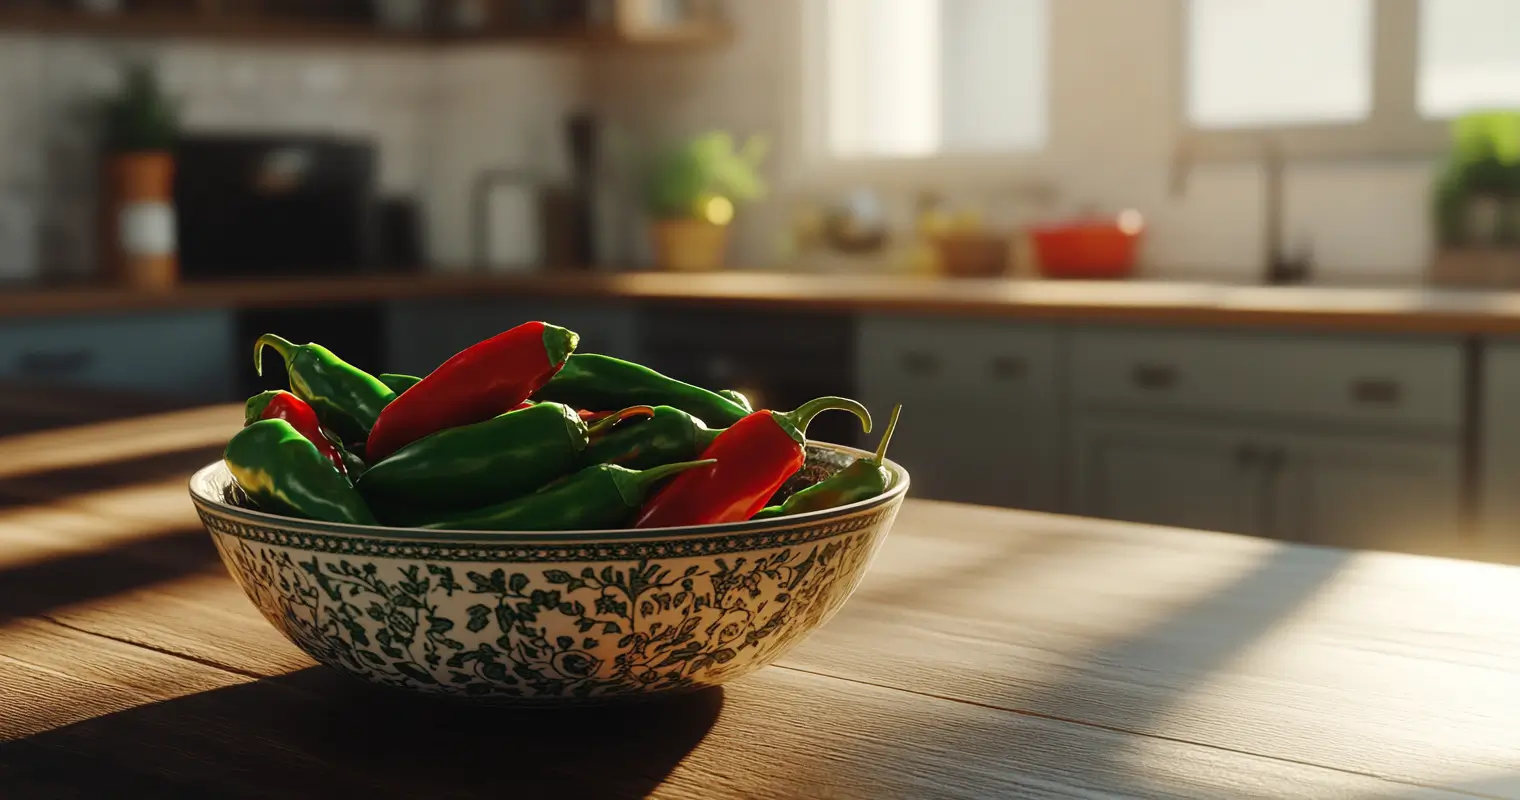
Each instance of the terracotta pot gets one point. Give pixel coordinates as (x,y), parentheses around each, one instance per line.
(138,235)
(689,245)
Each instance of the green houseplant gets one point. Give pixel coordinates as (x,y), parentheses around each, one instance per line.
(691,191)
(139,125)
(1477,196)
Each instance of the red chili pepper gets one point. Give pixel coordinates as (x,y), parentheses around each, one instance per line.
(754,457)
(473,386)
(277,404)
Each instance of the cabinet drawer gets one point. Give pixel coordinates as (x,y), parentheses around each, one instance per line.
(941,355)
(981,410)
(186,355)
(1413,382)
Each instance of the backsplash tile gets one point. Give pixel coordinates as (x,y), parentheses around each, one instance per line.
(438,118)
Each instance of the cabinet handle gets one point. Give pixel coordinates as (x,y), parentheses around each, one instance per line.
(1377,391)
(1008,368)
(1154,377)
(917,362)
(39,363)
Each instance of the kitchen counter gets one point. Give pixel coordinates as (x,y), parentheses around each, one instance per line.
(1410,309)
(988,653)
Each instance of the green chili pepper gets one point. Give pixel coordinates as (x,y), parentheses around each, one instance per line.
(487,462)
(347,399)
(284,473)
(737,398)
(863,479)
(598,497)
(602,383)
(398,383)
(670,435)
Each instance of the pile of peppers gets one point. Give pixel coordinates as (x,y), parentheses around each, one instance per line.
(520,432)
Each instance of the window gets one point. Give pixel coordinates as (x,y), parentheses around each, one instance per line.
(920,78)
(1261,63)
(1469,56)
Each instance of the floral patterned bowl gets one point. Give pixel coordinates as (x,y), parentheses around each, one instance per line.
(544,618)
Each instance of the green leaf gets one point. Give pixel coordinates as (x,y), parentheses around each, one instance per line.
(519,582)
(480,617)
(482,583)
(414,672)
(557,576)
(496,671)
(373,658)
(611,628)
(505,619)
(565,642)
(460,677)
(723,656)
(402,624)
(590,642)
(406,601)
(440,625)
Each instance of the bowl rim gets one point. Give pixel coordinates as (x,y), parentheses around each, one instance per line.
(200,485)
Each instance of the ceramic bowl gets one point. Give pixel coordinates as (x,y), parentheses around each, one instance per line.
(544,618)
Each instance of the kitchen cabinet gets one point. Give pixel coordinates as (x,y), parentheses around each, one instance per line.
(420,335)
(1344,441)
(1345,491)
(1169,474)
(981,420)
(1499,451)
(186,355)
(1361,492)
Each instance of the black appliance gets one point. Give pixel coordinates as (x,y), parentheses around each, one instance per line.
(780,360)
(252,205)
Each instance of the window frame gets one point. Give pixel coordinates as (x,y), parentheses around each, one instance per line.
(810,164)
(1394,128)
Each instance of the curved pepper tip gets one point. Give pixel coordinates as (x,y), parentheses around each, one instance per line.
(796,421)
(280,344)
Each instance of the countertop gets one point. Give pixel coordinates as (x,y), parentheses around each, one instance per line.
(989,653)
(1412,309)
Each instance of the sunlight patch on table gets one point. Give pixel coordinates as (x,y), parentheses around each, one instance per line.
(115,441)
(94,521)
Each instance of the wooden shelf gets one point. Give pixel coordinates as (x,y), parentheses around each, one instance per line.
(274,30)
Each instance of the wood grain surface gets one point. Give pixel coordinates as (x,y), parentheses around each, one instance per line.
(1386,310)
(989,654)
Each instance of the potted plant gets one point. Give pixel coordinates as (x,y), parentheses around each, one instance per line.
(691,193)
(139,126)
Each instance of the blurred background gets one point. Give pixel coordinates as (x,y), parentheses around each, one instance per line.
(397,179)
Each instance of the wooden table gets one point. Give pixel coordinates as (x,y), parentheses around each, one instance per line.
(989,654)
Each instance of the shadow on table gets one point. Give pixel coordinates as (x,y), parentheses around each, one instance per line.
(39,587)
(316,733)
(60,483)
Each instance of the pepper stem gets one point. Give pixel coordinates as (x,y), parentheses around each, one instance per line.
(886,437)
(601,426)
(634,485)
(253,410)
(795,422)
(280,345)
(559,343)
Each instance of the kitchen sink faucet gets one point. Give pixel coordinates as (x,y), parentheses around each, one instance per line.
(1281,266)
